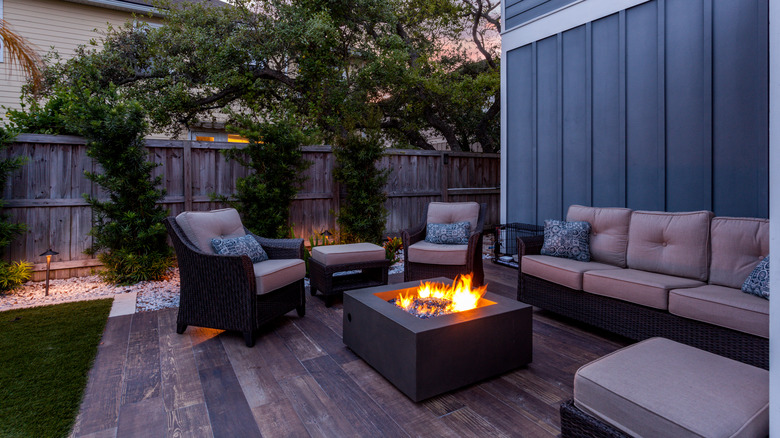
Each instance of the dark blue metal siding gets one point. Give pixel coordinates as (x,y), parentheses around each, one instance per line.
(663,106)
(517,12)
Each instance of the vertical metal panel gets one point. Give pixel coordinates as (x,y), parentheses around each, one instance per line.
(740,108)
(663,106)
(548,139)
(687,107)
(575,133)
(644,151)
(520,154)
(608,145)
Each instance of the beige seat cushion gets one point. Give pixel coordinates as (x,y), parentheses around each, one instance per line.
(566,272)
(330,255)
(452,212)
(670,243)
(723,306)
(738,245)
(660,388)
(608,232)
(639,287)
(202,226)
(275,273)
(435,254)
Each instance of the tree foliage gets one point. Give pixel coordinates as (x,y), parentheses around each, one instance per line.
(275,160)
(15,273)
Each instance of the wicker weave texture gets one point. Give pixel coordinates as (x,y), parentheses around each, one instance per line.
(421,271)
(372,273)
(577,424)
(220,291)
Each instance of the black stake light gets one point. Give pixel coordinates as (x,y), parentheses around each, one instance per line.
(48,255)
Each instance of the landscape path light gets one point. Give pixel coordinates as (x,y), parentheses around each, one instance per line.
(49,252)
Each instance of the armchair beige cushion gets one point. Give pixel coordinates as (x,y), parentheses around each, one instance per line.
(451,212)
(436,254)
(202,226)
(273,274)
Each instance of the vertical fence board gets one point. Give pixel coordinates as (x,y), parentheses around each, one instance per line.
(46,194)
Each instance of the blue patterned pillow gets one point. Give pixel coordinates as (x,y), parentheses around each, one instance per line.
(448,234)
(757,282)
(239,246)
(570,240)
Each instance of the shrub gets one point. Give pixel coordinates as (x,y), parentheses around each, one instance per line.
(362,217)
(13,274)
(276,162)
(393,246)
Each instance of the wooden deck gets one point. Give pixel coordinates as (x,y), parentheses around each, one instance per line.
(301,380)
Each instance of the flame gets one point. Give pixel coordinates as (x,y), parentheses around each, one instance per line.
(456,298)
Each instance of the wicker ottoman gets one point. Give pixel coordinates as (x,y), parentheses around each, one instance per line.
(367,258)
(659,387)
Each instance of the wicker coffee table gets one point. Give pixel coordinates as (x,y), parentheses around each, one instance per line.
(366,258)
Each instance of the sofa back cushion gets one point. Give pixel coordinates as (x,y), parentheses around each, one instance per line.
(202,226)
(608,233)
(738,245)
(452,212)
(670,243)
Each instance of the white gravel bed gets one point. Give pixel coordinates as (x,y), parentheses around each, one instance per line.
(151,295)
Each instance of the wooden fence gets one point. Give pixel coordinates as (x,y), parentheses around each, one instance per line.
(46,193)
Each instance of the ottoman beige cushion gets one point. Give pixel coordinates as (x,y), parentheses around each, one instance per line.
(566,272)
(660,388)
(275,273)
(330,255)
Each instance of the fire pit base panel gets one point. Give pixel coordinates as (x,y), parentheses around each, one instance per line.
(427,357)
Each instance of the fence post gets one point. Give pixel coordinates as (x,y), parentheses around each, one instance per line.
(187,160)
(445,176)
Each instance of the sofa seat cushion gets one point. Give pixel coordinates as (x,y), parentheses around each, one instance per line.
(436,254)
(723,306)
(566,272)
(202,226)
(738,245)
(670,243)
(275,273)
(330,255)
(608,234)
(638,287)
(452,212)
(659,387)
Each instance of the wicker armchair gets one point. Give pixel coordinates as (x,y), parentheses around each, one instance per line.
(424,260)
(229,292)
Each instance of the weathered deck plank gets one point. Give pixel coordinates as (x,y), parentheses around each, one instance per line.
(300,380)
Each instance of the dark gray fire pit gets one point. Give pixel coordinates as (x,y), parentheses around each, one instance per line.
(428,357)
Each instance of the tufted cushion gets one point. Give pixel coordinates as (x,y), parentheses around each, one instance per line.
(670,243)
(202,226)
(451,212)
(448,234)
(239,246)
(567,239)
(608,234)
(757,282)
(738,245)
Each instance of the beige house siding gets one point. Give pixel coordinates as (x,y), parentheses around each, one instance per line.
(51,23)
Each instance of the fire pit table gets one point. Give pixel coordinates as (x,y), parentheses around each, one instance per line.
(427,357)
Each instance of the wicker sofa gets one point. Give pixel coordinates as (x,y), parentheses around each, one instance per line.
(673,275)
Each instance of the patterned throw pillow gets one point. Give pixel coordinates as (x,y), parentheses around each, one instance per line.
(239,246)
(448,234)
(757,282)
(570,240)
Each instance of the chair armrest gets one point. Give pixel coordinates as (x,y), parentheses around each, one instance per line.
(411,236)
(281,248)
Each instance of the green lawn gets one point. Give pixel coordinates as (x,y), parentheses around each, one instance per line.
(45,355)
